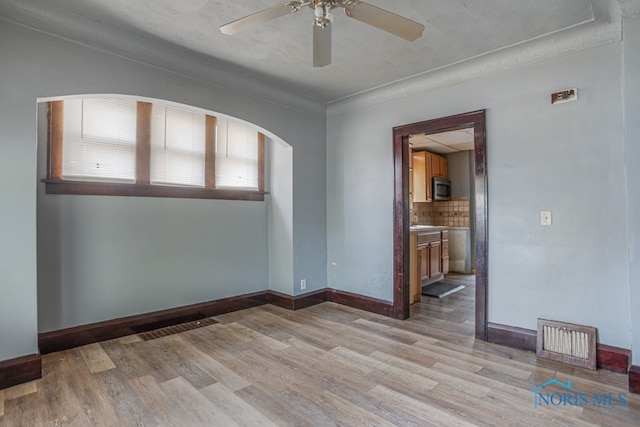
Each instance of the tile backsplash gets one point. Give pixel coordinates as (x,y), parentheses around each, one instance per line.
(451,213)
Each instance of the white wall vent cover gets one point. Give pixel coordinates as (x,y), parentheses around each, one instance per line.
(567,343)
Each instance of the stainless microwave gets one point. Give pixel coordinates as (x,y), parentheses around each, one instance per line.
(441,189)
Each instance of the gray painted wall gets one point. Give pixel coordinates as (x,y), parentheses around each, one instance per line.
(462,174)
(281,218)
(18,308)
(632,113)
(567,158)
(101,258)
(458,169)
(81,235)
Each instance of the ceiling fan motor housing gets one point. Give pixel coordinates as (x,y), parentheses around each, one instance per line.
(322,10)
(356,9)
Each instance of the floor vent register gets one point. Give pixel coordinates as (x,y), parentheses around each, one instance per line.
(176,329)
(567,343)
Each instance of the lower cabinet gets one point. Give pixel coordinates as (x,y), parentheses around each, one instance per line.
(429,259)
(423,262)
(444,261)
(435,259)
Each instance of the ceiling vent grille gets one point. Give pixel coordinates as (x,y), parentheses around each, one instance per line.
(567,343)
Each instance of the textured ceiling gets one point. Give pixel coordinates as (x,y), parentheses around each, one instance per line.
(280,51)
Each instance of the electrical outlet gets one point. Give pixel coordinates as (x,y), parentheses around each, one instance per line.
(303,284)
(545,218)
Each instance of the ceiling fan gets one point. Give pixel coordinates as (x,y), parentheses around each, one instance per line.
(361,11)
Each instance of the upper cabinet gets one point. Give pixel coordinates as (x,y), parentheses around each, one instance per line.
(424,166)
(439,166)
(422,176)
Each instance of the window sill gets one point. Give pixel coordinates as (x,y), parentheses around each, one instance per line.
(146,190)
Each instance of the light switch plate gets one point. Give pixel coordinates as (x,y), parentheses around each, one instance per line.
(545,218)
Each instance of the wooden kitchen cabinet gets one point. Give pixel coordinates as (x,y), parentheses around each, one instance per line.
(439,166)
(428,259)
(435,259)
(423,262)
(444,264)
(421,176)
(425,166)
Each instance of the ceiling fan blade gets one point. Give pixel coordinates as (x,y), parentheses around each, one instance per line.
(259,17)
(321,46)
(383,19)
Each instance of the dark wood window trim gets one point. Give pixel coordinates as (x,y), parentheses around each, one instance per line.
(210,153)
(55,119)
(143,143)
(55,184)
(261,139)
(146,190)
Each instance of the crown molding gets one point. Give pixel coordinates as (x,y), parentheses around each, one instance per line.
(605,27)
(46,17)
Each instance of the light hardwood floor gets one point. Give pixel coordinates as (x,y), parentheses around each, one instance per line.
(321,366)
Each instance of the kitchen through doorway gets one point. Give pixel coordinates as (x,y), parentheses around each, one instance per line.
(456,147)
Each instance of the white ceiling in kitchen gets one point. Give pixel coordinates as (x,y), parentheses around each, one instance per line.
(444,142)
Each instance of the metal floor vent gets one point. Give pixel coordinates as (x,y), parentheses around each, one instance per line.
(567,343)
(176,329)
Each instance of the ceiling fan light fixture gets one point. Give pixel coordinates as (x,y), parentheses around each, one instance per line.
(356,9)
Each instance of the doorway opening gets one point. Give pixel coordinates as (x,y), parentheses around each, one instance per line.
(402,152)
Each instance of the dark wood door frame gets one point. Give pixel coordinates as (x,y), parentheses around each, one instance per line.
(475,120)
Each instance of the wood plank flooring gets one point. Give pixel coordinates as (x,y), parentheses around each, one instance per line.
(321,366)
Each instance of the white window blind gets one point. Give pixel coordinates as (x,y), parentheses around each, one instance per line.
(177,146)
(236,155)
(99,139)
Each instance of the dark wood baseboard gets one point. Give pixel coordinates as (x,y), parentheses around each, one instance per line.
(512,336)
(309,299)
(63,339)
(614,359)
(281,300)
(20,370)
(299,301)
(361,302)
(339,297)
(634,379)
